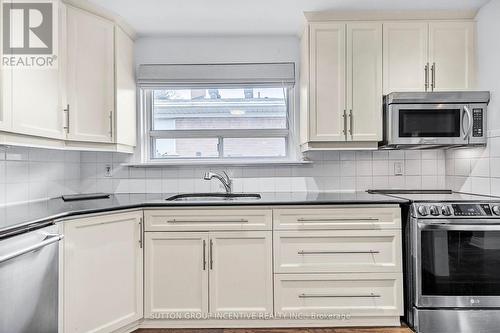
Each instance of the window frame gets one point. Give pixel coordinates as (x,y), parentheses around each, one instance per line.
(148,135)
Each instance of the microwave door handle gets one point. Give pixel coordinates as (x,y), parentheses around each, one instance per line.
(469,118)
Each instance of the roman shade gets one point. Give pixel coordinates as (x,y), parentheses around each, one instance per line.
(150,75)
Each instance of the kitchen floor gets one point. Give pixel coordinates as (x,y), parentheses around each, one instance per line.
(282,330)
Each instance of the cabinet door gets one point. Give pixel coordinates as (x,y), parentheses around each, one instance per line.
(327,81)
(451,52)
(405,56)
(37,94)
(176,278)
(90,83)
(125,89)
(364,81)
(102,276)
(241,272)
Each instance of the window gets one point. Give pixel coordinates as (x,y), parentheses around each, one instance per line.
(216,112)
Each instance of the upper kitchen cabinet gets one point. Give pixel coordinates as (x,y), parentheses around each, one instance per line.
(341,85)
(31,86)
(451,55)
(125,118)
(428,56)
(90,77)
(87,100)
(405,56)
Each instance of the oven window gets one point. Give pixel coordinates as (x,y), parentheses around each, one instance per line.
(429,123)
(460,263)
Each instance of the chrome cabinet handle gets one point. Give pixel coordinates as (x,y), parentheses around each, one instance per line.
(204,254)
(351,123)
(334,219)
(140,233)
(49,240)
(336,296)
(66,111)
(345,124)
(469,116)
(111,124)
(338,252)
(211,255)
(433,76)
(207,221)
(426,72)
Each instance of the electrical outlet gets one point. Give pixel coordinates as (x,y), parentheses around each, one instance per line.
(398,168)
(108,170)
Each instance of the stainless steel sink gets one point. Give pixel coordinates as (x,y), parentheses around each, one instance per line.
(214,196)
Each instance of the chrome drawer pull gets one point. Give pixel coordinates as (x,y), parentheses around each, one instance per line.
(337,296)
(207,221)
(337,252)
(334,219)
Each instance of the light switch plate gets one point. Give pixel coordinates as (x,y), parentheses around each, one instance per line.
(398,168)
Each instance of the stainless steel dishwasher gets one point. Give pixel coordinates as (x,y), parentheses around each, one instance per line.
(29,281)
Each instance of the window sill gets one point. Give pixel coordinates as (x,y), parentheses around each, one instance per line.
(195,163)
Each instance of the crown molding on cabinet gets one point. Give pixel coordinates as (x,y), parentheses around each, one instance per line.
(379,15)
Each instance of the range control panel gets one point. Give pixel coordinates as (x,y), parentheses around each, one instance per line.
(477,122)
(433,210)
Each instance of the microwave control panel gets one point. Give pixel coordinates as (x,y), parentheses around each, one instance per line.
(477,122)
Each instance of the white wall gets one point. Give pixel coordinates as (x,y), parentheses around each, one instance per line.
(200,50)
(478,170)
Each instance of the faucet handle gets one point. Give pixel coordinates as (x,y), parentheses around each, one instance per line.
(207,176)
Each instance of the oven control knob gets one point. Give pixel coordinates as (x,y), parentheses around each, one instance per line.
(434,210)
(496,210)
(423,210)
(446,211)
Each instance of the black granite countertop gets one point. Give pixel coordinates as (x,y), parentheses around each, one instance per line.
(31,215)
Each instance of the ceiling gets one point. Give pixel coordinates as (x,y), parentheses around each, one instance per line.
(248,17)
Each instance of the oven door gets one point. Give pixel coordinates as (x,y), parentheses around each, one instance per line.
(432,124)
(457,263)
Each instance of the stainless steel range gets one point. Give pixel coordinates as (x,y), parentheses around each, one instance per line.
(452,262)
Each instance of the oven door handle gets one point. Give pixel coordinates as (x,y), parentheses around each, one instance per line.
(480,226)
(469,119)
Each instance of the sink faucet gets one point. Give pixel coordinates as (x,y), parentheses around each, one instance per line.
(224,179)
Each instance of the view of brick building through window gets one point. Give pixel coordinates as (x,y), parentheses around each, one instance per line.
(235,120)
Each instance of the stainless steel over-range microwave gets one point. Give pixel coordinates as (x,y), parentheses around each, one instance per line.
(434,119)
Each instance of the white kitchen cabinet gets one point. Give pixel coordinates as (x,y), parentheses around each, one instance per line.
(451,55)
(102,272)
(327,81)
(125,117)
(343,88)
(202,272)
(90,77)
(405,56)
(38,93)
(428,56)
(364,81)
(241,272)
(176,279)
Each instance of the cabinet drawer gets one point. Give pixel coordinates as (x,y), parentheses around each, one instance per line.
(207,219)
(373,294)
(338,218)
(337,251)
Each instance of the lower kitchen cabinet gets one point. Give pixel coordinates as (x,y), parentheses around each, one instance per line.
(176,273)
(208,272)
(241,272)
(102,282)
